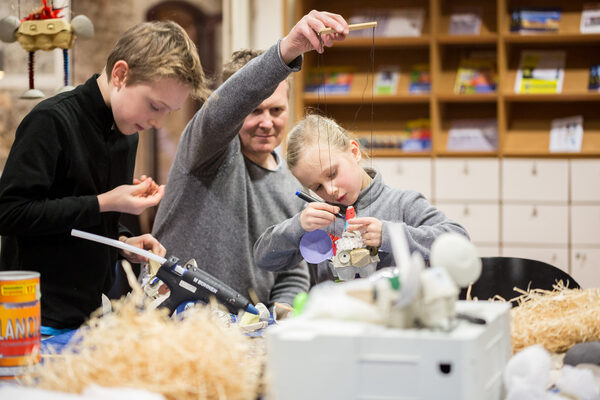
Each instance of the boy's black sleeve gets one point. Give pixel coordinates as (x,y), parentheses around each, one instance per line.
(36,196)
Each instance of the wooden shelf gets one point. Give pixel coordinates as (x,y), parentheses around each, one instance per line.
(524,120)
(357,99)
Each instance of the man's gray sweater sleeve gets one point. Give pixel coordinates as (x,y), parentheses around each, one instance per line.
(278,247)
(209,133)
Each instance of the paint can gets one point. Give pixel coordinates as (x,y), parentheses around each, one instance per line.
(20,322)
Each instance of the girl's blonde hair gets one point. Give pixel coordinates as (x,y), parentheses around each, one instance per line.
(159,49)
(312,129)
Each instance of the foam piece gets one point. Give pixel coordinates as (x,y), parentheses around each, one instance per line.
(459,256)
(316,246)
(529,368)
(587,353)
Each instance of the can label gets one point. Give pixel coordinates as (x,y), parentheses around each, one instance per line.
(20,321)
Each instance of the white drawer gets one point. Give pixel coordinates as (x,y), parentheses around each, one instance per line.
(559,257)
(466,179)
(585,267)
(585,225)
(482,221)
(585,180)
(402,173)
(535,224)
(535,180)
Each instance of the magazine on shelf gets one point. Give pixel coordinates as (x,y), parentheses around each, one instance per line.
(386,80)
(330,80)
(476,75)
(540,72)
(594,82)
(416,137)
(420,79)
(590,18)
(535,20)
(465,21)
(566,134)
(394,22)
(473,135)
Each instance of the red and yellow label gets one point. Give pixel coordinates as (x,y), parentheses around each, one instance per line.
(20,324)
(19,291)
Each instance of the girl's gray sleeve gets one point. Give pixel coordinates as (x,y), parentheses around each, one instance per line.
(207,136)
(422,224)
(277,248)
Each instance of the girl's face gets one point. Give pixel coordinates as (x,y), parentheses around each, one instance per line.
(335,175)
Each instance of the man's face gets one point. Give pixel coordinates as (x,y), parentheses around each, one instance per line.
(145,105)
(263,129)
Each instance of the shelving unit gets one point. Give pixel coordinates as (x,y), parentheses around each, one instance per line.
(524,120)
(520,200)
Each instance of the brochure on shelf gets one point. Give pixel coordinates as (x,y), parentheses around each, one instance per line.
(396,22)
(473,135)
(535,20)
(540,72)
(476,75)
(594,82)
(386,80)
(566,135)
(590,18)
(465,21)
(420,79)
(331,80)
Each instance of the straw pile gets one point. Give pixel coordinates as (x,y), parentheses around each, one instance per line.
(556,319)
(197,357)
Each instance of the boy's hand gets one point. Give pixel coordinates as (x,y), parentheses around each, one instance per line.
(146,242)
(304,35)
(369,227)
(130,199)
(152,189)
(317,215)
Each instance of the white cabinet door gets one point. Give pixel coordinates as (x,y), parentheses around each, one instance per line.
(585,180)
(525,180)
(403,173)
(585,267)
(482,221)
(466,179)
(585,225)
(535,224)
(487,251)
(559,256)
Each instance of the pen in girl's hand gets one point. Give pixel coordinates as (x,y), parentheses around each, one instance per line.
(309,199)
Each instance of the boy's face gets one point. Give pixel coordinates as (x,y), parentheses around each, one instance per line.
(335,175)
(145,105)
(263,129)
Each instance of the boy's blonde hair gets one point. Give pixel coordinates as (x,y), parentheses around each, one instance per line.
(159,49)
(315,128)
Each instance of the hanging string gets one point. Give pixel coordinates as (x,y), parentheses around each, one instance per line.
(31,62)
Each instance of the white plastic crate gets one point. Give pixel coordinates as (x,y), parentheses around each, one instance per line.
(332,359)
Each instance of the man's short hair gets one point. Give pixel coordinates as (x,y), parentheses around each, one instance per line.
(237,61)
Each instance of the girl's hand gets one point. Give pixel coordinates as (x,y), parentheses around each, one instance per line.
(317,215)
(304,35)
(369,227)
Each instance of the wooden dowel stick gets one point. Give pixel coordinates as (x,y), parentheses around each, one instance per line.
(353,27)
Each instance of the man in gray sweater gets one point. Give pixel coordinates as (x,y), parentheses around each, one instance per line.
(227,185)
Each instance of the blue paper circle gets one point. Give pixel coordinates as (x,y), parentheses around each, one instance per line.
(316,246)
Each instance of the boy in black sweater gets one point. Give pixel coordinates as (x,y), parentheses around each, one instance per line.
(71,166)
